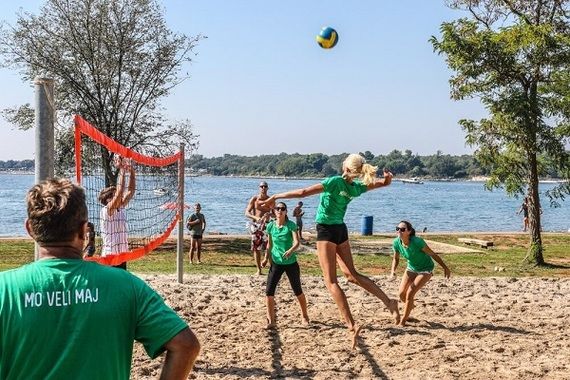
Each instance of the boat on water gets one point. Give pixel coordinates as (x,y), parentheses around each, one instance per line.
(160,191)
(415,181)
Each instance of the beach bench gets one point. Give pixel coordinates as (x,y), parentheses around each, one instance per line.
(479,242)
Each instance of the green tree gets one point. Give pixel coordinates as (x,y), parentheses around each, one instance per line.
(113,62)
(515,56)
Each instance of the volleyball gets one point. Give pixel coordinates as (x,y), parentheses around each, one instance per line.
(327,38)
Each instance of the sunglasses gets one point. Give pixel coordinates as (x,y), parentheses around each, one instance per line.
(279,208)
(401,229)
(264,186)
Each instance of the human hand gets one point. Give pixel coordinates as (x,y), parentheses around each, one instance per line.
(446,272)
(388,173)
(264,263)
(287,254)
(127,163)
(118,161)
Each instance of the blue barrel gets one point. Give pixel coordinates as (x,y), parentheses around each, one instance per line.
(367,222)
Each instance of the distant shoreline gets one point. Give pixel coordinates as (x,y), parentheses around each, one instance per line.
(296,178)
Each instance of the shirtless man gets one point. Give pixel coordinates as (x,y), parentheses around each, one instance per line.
(259,215)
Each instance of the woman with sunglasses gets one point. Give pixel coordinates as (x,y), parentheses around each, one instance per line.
(332,235)
(280,253)
(420,265)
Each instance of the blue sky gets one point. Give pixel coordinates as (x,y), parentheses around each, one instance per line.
(260,84)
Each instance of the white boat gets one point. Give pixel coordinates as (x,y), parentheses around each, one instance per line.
(160,191)
(415,181)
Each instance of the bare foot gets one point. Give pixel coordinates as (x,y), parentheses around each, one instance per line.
(305,321)
(355,332)
(402,323)
(258,272)
(394,310)
(270,325)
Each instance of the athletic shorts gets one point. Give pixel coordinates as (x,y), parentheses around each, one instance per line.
(196,236)
(419,272)
(335,233)
(299,223)
(293,274)
(258,241)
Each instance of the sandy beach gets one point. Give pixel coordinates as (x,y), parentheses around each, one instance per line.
(464,328)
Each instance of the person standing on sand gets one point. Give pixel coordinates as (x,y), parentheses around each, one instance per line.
(333,245)
(66,318)
(420,265)
(259,215)
(280,253)
(196,223)
(298,213)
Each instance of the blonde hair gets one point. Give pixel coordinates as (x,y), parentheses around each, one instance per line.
(359,168)
(56,211)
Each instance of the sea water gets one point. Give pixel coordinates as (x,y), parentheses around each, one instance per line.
(436,206)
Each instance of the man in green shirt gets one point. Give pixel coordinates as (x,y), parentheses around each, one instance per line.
(65,318)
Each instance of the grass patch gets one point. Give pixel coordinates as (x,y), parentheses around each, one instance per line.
(231,255)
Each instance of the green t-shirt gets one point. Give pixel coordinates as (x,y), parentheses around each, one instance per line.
(335,198)
(418,261)
(73,319)
(282,240)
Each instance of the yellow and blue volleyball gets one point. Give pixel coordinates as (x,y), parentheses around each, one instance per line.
(327,38)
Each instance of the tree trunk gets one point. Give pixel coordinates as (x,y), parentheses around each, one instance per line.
(534,254)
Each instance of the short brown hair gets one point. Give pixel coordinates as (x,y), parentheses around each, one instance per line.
(56,210)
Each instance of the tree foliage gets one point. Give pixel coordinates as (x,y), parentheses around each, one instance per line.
(515,56)
(113,62)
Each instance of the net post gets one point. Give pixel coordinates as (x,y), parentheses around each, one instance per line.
(44,136)
(180,243)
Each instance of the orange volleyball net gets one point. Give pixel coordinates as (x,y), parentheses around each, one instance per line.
(153,211)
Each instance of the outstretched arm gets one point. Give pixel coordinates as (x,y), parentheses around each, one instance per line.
(298,193)
(381,182)
(116,201)
(132,184)
(427,250)
(181,353)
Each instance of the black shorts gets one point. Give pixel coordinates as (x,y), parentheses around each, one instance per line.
(293,274)
(196,236)
(335,233)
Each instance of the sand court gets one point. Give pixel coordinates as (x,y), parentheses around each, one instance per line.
(464,328)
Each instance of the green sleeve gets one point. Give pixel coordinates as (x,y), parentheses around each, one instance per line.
(156,322)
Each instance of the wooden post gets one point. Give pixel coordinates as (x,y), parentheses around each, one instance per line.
(180,243)
(44,123)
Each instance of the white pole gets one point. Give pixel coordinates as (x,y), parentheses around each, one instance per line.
(180,244)
(44,123)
